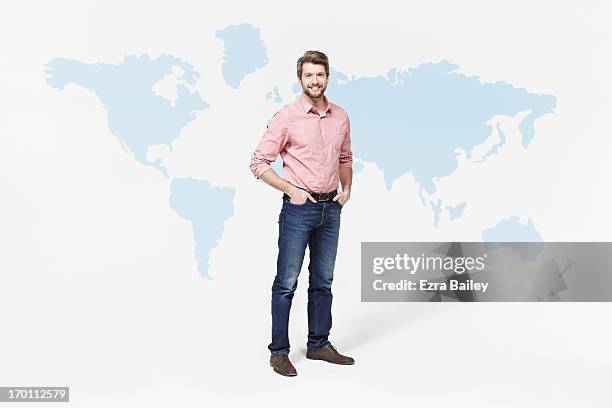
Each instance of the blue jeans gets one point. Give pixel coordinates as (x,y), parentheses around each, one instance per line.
(315,225)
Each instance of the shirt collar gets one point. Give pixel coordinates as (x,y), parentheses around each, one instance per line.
(308,106)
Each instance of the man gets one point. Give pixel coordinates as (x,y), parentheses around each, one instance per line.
(312,136)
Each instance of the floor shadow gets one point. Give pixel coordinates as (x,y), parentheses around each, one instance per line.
(377,321)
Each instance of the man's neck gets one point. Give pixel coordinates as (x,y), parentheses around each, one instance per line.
(318,103)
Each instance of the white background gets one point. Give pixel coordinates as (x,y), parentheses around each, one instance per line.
(98,284)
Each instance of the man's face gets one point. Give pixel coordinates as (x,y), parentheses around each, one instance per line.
(313,80)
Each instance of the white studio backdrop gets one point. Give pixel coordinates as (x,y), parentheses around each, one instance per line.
(99,285)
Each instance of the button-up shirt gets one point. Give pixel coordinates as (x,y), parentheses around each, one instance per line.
(312,144)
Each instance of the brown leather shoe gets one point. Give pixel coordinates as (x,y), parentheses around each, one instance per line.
(282,365)
(329,354)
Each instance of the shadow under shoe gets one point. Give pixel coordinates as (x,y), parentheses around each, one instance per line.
(282,365)
(329,354)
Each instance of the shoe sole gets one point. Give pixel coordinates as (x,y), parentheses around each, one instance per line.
(283,374)
(327,361)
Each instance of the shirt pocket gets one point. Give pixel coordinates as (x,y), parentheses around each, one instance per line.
(339,139)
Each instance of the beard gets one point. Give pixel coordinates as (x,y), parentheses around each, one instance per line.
(314,93)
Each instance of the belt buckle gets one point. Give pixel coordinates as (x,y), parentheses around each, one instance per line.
(322,197)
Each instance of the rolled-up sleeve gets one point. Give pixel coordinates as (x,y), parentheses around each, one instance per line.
(346,155)
(271,144)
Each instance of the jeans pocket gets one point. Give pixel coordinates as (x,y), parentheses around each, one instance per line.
(288,201)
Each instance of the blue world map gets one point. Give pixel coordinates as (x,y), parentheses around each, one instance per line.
(411,122)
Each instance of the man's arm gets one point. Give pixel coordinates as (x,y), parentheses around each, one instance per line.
(298,196)
(346,180)
(270,145)
(345,168)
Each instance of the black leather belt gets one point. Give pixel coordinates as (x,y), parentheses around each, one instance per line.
(323,197)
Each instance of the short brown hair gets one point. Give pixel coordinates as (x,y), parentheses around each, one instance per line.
(314,57)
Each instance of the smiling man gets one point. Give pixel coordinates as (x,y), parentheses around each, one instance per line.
(312,135)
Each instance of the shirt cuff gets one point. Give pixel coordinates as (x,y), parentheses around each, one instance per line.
(261,169)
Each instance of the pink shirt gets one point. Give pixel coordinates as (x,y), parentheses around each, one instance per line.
(313,145)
